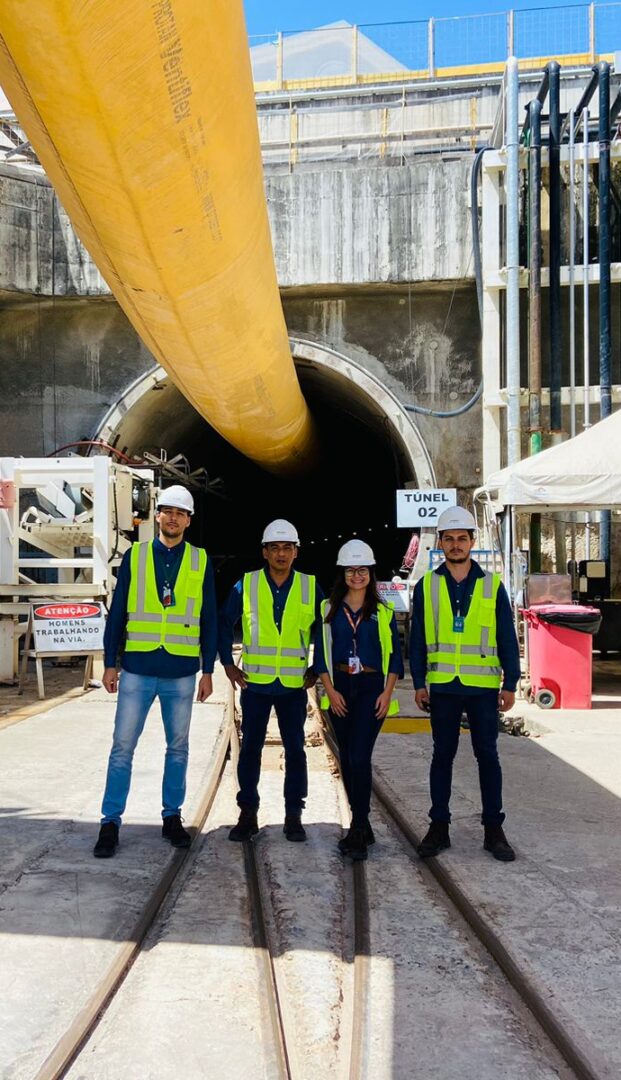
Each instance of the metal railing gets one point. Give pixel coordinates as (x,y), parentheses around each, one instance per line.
(379,52)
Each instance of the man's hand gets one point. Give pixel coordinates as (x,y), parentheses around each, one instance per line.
(235,676)
(382,703)
(205,688)
(310,679)
(506,700)
(111,679)
(421,698)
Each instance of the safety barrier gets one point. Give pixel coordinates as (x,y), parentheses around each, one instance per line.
(341,54)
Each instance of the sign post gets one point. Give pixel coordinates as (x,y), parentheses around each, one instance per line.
(72,628)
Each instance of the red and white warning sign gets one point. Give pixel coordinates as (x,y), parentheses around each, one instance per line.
(397,592)
(69,627)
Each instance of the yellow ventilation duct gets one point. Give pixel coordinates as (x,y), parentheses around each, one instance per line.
(143,115)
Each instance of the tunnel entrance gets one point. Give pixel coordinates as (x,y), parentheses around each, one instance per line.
(370,447)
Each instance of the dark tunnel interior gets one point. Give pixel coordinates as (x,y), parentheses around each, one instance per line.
(349,492)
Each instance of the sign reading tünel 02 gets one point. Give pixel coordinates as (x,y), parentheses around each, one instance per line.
(68,627)
(419,508)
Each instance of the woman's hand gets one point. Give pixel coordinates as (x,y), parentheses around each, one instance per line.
(337,702)
(382,703)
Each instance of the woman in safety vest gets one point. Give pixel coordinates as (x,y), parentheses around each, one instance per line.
(358,658)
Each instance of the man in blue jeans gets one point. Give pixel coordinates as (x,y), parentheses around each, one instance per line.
(464,657)
(164,610)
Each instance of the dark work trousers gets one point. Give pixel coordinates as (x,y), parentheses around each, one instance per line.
(291,714)
(482,712)
(356,733)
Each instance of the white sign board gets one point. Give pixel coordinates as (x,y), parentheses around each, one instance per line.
(69,627)
(417,508)
(395,592)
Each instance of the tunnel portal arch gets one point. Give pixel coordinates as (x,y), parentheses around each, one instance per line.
(371,446)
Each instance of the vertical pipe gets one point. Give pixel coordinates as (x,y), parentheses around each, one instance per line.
(279,61)
(510,33)
(604,273)
(586,306)
(592,32)
(572,276)
(554,292)
(354,54)
(512,209)
(534,310)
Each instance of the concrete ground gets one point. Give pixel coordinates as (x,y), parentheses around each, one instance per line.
(63,914)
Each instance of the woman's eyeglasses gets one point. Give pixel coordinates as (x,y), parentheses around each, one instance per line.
(356,571)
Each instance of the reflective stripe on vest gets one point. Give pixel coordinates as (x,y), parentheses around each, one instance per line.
(150,624)
(472,656)
(384,618)
(266,653)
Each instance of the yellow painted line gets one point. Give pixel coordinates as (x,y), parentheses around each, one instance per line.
(406,725)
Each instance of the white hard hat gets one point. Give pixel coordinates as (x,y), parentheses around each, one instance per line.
(456,518)
(176,496)
(355,553)
(280,531)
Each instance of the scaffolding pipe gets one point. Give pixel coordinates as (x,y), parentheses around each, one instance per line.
(586,352)
(603,70)
(572,277)
(512,138)
(554,298)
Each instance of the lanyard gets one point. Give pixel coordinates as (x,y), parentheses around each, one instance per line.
(354,621)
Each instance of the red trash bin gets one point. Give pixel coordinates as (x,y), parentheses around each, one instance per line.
(560,650)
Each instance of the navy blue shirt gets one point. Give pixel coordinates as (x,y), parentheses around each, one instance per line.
(158,661)
(368,646)
(460,593)
(231,613)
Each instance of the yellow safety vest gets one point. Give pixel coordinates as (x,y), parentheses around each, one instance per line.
(150,624)
(384,618)
(268,654)
(471,656)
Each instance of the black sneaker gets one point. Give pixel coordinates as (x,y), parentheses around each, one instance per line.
(293,828)
(354,844)
(108,841)
(496,842)
(246,827)
(436,839)
(173,830)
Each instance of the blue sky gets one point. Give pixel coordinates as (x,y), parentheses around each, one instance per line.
(266,16)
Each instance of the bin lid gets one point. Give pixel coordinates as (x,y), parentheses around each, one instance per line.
(580,617)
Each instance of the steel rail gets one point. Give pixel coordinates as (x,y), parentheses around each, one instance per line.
(584,1061)
(84,1024)
(362,940)
(261,937)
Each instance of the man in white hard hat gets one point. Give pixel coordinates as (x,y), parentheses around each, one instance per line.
(464,657)
(278,608)
(163,620)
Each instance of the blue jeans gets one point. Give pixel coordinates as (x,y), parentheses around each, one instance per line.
(356,734)
(445,714)
(290,711)
(136,696)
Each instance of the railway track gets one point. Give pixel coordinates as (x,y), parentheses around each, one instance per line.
(360,951)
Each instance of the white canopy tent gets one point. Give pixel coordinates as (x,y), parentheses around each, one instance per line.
(583,473)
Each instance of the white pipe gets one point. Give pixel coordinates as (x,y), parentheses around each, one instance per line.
(514,448)
(585,285)
(572,287)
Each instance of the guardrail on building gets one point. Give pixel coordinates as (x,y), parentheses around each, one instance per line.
(340,54)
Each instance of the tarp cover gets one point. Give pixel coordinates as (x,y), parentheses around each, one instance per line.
(582,473)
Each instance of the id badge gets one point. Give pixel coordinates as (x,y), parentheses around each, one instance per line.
(354,665)
(167,596)
(458,624)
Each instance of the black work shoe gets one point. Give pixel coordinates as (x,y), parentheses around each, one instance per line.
(173,830)
(108,841)
(354,844)
(496,842)
(246,827)
(369,835)
(436,839)
(293,828)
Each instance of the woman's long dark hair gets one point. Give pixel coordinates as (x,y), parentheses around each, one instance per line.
(371,597)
